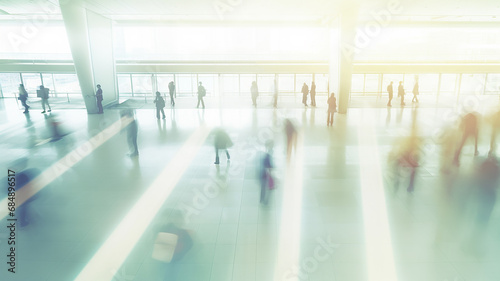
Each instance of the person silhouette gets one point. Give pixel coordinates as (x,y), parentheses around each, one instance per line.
(415,93)
(332,108)
(23,97)
(390,92)
(201,93)
(305,91)
(401,92)
(171,91)
(160,104)
(313,93)
(255,93)
(44,94)
(99,98)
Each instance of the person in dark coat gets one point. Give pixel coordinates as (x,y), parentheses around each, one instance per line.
(221,141)
(23,97)
(313,94)
(99,98)
(171,91)
(255,93)
(390,92)
(415,93)
(305,91)
(332,108)
(401,92)
(160,104)
(201,93)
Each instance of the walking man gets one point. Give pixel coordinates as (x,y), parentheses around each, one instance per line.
(401,92)
(201,93)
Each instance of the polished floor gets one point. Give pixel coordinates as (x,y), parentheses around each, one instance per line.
(335,214)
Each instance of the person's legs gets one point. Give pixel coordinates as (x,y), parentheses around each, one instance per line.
(227,154)
(163,113)
(157,113)
(262,189)
(202,102)
(476,152)
(99,105)
(216,156)
(198,105)
(43,105)
(48,104)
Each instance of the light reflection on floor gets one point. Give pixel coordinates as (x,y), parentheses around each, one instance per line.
(233,236)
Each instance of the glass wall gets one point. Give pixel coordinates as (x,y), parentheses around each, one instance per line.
(9,82)
(446,85)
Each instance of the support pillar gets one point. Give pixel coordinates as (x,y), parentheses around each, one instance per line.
(91,41)
(342,39)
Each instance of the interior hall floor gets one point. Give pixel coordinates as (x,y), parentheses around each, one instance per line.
(334,215)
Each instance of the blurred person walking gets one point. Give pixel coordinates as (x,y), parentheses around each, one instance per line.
(305,91)
(390,91)
(415,93)
(254,90)
(172,93)
(132,131)
(332,108)
(291,138)
(160,104)
(469,127)
(44,94)
(265,176)
(221,141)
(201,93)
(23,97)
(495,122)
(313,94)
(401,93)
(99,98)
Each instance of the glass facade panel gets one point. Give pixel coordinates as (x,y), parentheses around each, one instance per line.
(162,81)
(472,84)
(32,81)
(186,84)
(246,82)
(265,82)
(372,84)
(67,83)
(321,81)
(286,83)
(142,84)
(300,79)
(10,84)
(357,84)
(493,84)
(48,82)
(210,82)
(230,84)
(124,85)
(448,83)
(428,84)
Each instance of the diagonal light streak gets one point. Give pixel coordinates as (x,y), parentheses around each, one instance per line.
(288,252)
(120,243)
(64,164)
(379,252)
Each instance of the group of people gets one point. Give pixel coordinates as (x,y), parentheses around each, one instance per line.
(401,93)
(305,91)
(43,93)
